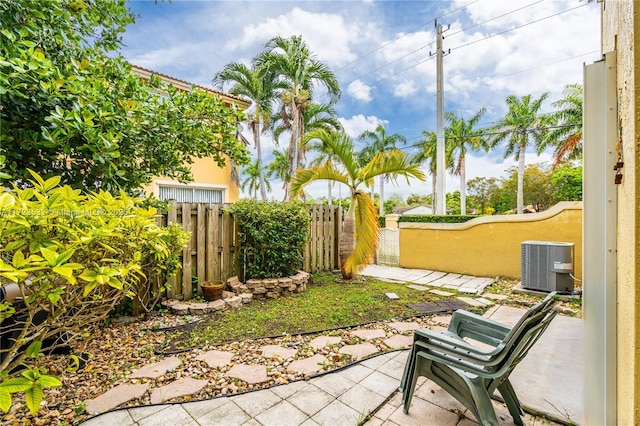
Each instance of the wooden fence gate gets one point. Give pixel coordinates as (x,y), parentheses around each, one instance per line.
(213,251)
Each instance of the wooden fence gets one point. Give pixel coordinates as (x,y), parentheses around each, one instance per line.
(213,251)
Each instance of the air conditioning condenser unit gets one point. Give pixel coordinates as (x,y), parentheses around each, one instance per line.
(547,266)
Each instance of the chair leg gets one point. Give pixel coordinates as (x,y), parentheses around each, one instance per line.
(408,369)
(511,399)
(482,400)
(409,387)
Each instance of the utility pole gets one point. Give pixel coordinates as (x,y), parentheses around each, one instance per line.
(441,204)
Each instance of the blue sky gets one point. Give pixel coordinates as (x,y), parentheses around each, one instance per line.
(380,54)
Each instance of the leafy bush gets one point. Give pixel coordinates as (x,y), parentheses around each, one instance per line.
(382,220)
(272,236)
(434,218)
(73,258)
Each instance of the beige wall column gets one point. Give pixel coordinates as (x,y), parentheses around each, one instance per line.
(621,32)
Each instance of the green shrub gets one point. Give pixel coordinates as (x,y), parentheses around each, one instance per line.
(383,221)
(434,218)
(272,237)
(74,257)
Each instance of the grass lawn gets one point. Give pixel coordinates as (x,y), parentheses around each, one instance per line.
(327,303)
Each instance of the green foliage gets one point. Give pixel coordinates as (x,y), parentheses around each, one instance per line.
(74,109)
(433,218)
(382,221)
(32,383)
(272,236)
(567,183)
(75,257)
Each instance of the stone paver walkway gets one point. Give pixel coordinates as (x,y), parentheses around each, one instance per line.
(342,397)
(422,279)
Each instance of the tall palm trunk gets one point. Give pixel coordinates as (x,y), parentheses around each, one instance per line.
(520,198)
(294,142)
(381,195)
(329,187)
(255,126)
(463,187)
(347,239)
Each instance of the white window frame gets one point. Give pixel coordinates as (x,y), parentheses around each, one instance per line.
(192,185)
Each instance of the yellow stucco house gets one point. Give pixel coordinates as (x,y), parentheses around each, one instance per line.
(611,226)
(211,184)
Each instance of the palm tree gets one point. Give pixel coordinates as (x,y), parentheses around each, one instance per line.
(294,64)
(359,238)
(567,137)
(379,142)
(521,126)
(427,145)
(279,168)
(253,180)
(462,136)
(261,88)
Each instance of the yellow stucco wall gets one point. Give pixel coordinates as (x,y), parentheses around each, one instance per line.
(489,246)
(206,174)
(621,32)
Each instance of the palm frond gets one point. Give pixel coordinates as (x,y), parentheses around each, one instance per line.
(367,235)
(327,171)
(394,163)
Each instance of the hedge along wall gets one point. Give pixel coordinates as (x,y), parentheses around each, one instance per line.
(490,245)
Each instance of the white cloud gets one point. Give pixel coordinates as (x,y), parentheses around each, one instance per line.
(327,34)
(360,91)
(357,124)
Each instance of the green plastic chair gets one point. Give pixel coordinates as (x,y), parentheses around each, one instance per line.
(465,324)
(472,377)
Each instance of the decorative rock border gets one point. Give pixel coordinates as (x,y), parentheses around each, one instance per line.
(240,294)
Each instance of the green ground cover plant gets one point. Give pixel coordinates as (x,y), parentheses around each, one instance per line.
(329,302)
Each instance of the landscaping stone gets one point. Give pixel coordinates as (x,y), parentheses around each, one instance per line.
(216,305)
(398,341)
(368,334)
(180,308)
(251,374)
(215,359)
(246,297)
(322,341)
(359,351)
(178,388)
(199,308)
(404,326)
(485,301)
(418,287)
(226,294)
(441,293)
(272,351)
(234,302)
(157,369)
(308,365)
(115,396)
(494,296)
(285,282)
(472,302)
(392,296)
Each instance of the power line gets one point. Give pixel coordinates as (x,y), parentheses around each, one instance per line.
(494,18)
(516,28)
(403,35)
(468,44)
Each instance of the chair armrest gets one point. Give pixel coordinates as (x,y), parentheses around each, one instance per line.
(482,329)
(455,346)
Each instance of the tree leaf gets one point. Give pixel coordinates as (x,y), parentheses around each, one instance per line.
(33,397)
(34,349)
(49,382)
(16,384)
(5,400)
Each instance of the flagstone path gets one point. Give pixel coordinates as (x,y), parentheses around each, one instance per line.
(366,341)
